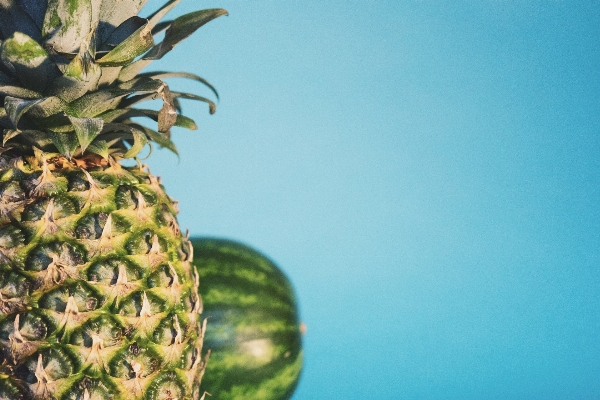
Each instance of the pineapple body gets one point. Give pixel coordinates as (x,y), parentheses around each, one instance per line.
(98,298)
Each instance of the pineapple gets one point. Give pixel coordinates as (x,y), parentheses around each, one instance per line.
(98,299)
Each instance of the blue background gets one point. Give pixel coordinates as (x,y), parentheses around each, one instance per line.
(426,173)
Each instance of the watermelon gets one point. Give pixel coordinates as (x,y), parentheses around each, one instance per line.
(253,333)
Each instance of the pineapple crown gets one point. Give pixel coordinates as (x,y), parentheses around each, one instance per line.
(70,76)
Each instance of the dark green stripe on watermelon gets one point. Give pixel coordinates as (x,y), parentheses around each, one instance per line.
(253,328)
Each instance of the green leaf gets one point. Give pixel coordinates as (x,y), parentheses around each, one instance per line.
(9,134)
(15,108)
(86,130)
(181,28)
(14,19)
(36,9)
(67,22)
(81,76)
(160,139)
(17,91)
(161,12)
(165,74)
(96,103)
(212,107)
(31,62)
(132,70)
(66,142)
(178,30)
(99,147)
(123,31)
(123,114)
(139,141)
(48,106)
(113,13)
(135,45)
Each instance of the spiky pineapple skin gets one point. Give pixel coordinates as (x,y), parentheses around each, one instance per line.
(98,297)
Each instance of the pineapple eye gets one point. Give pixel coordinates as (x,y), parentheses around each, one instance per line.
(12,192)
(55,361)
(127,364)
(62,207)
(133,304)
(60,254)
(107,271)
(104,326)
(83,296)
(12,284)
(141,242)
(166,386)
(91,226)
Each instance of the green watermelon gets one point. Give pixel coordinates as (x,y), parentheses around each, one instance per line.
(253,329)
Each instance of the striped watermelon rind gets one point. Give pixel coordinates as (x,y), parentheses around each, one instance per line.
(253,326)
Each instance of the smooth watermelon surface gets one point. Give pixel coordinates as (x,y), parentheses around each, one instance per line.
(253,329)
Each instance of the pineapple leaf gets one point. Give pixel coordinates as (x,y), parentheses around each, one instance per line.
(36,9)
(67,22)
(15,108)
(139,141)
(48,106)
(123,31)
(99,147)
(9,134)
(86,130)
(125,52)
(14,19)
(181,28)
(165,74)
(178,30)
(113,13)
(167,116)
(128,132)
(17,91)
(161,12)
(66,142)
(161,139)
(95,103)
(121,114)
(212,107)
(161,26)
(30,61)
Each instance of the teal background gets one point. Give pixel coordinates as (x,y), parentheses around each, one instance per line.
(427,173)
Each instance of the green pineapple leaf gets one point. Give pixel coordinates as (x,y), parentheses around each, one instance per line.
(13,18)
(123,31)
(17,91)
(181,28)
(159,14)
(15,108)
(31,62)
(9,134)
(68,21)
(95,103)
(135,45)
(113,13)
(177,30)
(161,139)
(212,107)
(36,9)
(99,147)
(164,74)
(86,130)
(66,142)
(139,141)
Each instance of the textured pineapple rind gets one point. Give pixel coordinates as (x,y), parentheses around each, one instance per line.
(98,299)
